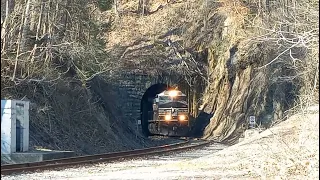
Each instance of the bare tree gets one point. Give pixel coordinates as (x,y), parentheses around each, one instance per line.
(39,34)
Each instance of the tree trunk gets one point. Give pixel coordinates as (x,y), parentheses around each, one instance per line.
(19,40)
(116,8)
(26,27)
(33,53)
(4,21)
(141,7)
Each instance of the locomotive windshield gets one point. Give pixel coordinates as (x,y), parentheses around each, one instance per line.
(164,98)
(168,101)
(180,98)
(169,98)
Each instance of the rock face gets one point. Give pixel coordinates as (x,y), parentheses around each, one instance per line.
(238,87)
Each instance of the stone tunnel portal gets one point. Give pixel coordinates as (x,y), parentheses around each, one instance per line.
(146,105)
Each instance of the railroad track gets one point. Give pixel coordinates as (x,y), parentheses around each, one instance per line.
(90,159)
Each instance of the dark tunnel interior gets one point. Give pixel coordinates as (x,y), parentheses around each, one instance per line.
(146,105)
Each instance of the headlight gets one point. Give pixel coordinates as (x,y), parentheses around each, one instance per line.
(182,117)
(173,93)
(167,117)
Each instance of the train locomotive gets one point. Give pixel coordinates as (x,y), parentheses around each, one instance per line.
(170,114)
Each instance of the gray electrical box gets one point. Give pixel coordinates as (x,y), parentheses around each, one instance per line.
(14,126)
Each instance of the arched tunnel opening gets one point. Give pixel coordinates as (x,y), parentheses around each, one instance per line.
(146,104)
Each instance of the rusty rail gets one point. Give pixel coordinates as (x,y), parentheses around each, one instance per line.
(89,159)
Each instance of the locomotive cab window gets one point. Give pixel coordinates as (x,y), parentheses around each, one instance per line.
(180,98)
(164,98)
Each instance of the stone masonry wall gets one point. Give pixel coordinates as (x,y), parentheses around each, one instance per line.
(131,86)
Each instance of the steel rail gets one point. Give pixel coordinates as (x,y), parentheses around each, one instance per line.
(87,157)
(64,162)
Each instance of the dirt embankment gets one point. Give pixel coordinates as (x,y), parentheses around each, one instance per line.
(69,116)
(229,45)
(248,62)
(289,150)
(49,66)
(252,69)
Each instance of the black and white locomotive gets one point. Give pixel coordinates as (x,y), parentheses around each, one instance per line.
(170,114)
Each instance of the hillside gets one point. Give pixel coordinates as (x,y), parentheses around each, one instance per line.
(240,58)
(248,58)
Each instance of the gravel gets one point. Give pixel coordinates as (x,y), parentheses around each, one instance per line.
(148,167)
(288,151)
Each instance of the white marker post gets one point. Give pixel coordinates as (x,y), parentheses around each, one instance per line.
(252,122)
(138,124)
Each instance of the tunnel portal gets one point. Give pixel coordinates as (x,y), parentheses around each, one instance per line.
(133,90)
(146,104)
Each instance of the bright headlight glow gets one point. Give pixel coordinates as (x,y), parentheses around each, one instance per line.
(173,93)
(182,117)
(167,117)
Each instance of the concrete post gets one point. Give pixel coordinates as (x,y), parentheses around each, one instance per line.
(252,122)
(13,111)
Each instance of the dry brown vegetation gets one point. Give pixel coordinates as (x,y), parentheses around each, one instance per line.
(50,50)
(252,57)
(47,40)
(45,50)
